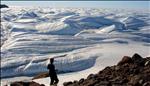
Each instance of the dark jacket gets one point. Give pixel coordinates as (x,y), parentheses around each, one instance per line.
(52,71)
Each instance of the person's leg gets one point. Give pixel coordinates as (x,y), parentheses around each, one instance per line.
(56,80)
(52,81)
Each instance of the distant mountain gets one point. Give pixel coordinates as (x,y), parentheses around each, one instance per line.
(3,6)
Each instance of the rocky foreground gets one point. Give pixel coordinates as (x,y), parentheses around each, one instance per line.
(130,71)
(21,83)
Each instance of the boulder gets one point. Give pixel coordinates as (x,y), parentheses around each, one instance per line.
(67,83)
(125,59)
(21,83)
(91,76)
(137,59)
(81,81)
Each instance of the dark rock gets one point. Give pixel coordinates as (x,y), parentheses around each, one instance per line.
(117,68)
(67,83)
(135,80)
(81,80)
(16,84)
(20,83)
(125,59)
(91,76)
(3,6)
(136,56)
(106,71)
(120,82)
(75,81)
(137,59)
(128,72)
(106,83)
(91,82)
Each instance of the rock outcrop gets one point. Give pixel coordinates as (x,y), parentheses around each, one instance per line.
(130,71)
(21,83)
(3,6)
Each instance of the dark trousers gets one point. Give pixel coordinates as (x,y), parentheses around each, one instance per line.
(54,80)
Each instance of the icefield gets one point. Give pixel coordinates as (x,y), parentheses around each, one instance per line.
(82,40)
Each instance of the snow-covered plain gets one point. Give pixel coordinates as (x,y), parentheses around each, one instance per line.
(82,40)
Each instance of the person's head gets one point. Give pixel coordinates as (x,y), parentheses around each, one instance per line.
(51,60)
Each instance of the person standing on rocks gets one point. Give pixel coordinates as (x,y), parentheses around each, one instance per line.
(52,73)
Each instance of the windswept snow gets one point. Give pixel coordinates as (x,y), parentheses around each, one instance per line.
(82,41)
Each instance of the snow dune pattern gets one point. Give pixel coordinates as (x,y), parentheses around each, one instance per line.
(73,36)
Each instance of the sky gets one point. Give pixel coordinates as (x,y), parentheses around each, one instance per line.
(94,4)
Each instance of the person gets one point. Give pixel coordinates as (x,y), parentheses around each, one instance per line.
(52,73)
